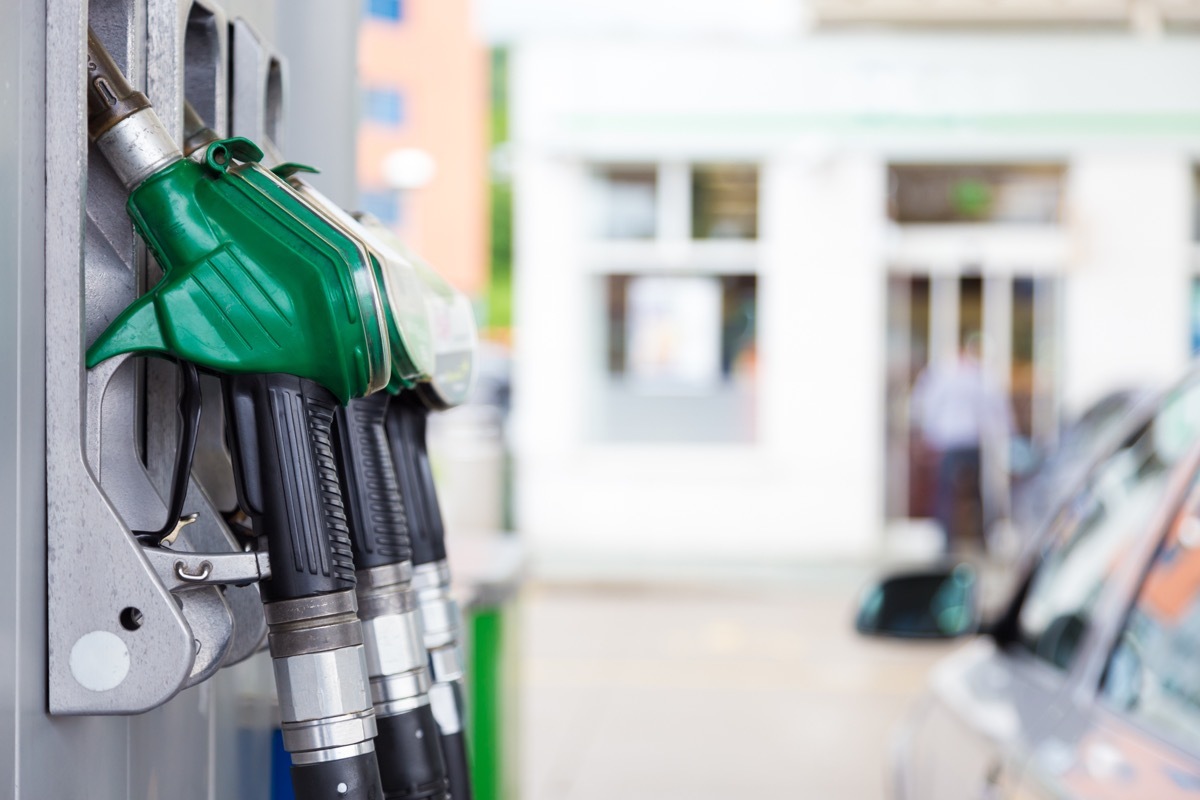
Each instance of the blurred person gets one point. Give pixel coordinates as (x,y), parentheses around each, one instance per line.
(960,412)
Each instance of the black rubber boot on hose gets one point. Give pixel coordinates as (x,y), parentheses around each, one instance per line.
(281,428)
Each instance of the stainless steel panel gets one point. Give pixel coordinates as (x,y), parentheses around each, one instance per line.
(320,49)
(258,79)
(96,571)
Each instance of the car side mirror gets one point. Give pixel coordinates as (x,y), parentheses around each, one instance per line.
(937,604)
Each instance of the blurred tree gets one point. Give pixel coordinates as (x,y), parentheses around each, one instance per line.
(498,317)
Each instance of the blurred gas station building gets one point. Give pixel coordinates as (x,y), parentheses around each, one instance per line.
(742,231)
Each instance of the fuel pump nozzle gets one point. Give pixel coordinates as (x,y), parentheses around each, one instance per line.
(260,289)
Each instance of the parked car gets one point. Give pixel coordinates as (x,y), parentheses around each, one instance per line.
(1087,682)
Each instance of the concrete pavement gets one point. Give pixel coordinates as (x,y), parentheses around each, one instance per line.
(679,691)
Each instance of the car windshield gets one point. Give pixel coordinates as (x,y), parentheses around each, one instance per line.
(1121,499)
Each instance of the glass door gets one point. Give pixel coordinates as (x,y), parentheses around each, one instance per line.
(932,319)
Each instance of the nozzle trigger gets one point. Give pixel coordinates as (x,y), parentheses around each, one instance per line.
(189,413)
(290,168)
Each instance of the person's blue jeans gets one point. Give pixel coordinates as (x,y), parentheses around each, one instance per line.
(958,502)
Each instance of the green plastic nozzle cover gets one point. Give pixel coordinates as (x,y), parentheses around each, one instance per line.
(401,289)
(453,330)
(254,279)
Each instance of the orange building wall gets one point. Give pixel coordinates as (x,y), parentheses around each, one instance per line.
(434,58)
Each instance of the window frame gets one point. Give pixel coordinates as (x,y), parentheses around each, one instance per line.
(401,106)
(671,252)
(369,10)
(597,178)
(397,199)
(696,166)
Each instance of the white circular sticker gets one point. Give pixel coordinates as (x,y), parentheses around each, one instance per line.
(100,661)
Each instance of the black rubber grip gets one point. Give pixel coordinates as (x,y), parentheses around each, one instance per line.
(378,527)
(282,445)
(410,756)
(454,750)
(406,424)
(354,778)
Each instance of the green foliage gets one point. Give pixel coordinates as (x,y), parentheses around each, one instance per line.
(499,291)
(971,199)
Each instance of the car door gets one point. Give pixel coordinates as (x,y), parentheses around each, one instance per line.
(992,702)
(969,735)
(1136,734)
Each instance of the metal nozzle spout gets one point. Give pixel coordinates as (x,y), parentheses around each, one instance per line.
(110,96)
(196,133)
(122,122)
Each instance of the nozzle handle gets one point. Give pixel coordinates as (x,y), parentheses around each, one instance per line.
(407,420)
(378,524)
(410,756)
(281,436)
(454,749)
(355,778)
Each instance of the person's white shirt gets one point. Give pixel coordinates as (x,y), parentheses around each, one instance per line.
(956,406)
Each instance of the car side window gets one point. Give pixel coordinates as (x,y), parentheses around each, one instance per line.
(1121,498)
(1152,674)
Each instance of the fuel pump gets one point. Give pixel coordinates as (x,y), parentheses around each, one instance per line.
(263,291)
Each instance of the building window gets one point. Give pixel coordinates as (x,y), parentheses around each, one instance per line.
(996,193)
(384,9)
(625,202)
(385,106)
(386,204)
(680,357)
(725,201)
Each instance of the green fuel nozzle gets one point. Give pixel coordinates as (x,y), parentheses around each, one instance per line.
(255,281)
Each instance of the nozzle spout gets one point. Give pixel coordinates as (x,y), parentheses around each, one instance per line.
(111,98)
(196,133)
(122,122)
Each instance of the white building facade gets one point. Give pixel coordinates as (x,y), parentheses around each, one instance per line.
(729,268)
